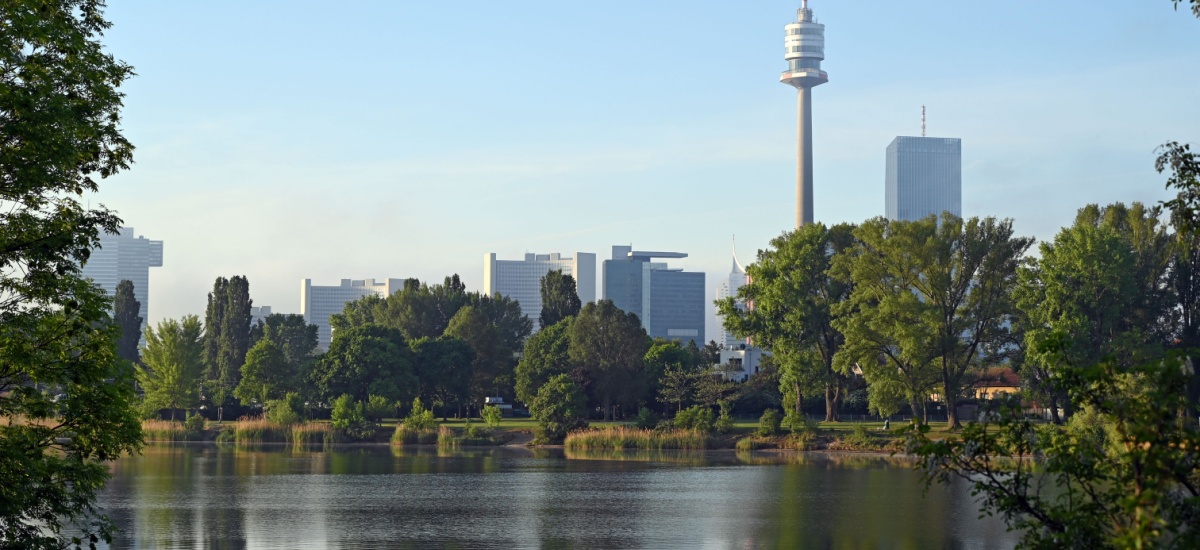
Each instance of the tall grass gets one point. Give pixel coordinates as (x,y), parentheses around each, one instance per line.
(165,430)
(313,433)
(405,435)
(259,430)
(445,437)
(621,437)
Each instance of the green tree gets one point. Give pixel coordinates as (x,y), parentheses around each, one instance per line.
(364,361)
(369,309)
(560,299)
(443,369)
(795,297)
(294,337)
(547,354)
(126,311)
(559,407)
(610,344)
(488,367)
(227,336)
(930,293)
(172,364)
(61,127)
(267,375)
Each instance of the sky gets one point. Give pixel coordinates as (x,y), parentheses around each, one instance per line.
(291,140)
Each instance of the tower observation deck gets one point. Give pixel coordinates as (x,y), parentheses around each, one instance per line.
(804,44)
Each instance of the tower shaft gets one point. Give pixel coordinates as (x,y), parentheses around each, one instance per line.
(804,158)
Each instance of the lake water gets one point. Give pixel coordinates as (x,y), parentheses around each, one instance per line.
(203,496)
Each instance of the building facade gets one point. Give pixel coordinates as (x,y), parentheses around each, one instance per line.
(319,303)
(726,289)
(923,177)
(738,352)
(124,256)
(669,302)
(521,280)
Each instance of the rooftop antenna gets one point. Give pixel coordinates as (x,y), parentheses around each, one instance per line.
(922,121)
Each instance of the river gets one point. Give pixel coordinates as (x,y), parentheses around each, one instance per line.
(204,496)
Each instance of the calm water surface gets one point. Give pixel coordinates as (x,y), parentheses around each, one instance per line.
(374,497)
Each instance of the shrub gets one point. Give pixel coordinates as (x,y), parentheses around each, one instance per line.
(348,418)
(646,419)
(860,438)
(286,411)
(405,435)
(420,418)
(378,408)
(194,423)
(492,415)
(697,417)
(768,423)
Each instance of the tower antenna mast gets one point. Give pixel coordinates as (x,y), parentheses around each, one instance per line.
(922,121)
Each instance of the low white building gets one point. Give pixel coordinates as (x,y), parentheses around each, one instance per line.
(521,280)
(318,303)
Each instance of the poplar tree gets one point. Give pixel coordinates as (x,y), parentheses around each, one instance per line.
(560,298)
(126,311)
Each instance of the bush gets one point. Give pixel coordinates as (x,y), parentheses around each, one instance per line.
(645,419)
(286,411)
(768,423)
(860,438)
(420,418)
(348,418)
(800,424)
(194,423)
(492,415)
(405,435)
(697,417)
(378,408)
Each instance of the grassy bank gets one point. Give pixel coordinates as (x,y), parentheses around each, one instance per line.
(167,431)
(621,437)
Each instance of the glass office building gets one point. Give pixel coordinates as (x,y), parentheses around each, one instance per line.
(669,302)
(125,256)
(924,177)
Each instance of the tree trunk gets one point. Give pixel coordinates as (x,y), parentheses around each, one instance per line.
(833,399)
(952,412)
(607,406)
(799,398)
(915,404)
(1054,410)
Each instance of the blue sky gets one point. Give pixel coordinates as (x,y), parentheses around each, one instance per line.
(285,140)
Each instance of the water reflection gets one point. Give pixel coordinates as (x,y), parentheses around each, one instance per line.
(207,497)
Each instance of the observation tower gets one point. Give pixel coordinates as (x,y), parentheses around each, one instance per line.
(805,48)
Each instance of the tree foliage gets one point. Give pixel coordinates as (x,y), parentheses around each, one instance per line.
(363,361)
(546,354)
(930,298)
(559,407)
(610,344)
(227,336)
(267,374)
(126,313)
(172,364)
(59,134)
(794,296)
(560,298)
(443,369)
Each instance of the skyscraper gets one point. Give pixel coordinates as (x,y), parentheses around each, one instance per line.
(521,280)
(669,302)
(123,256)
(804,45)
(729,288)
(924,177)
(318,303)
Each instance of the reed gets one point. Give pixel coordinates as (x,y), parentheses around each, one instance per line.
(446,437)
(313,433)
(259,430)
(621,437)
(405,435)
(165,430)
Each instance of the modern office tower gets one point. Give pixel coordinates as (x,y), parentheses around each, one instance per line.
(669,302)
(521,280)
(804,50)
(924,177)
(318,303)
(124,256)
(729,287)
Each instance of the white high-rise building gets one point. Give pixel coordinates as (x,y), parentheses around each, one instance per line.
(521,280)
(318,303)
(124,256)
(729,288)
(923,178)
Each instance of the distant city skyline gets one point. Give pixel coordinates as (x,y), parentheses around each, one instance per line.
(264,150)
